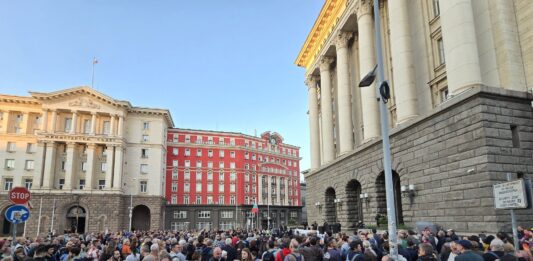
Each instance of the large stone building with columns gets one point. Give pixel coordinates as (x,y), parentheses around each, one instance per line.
(461,116)
(86,157)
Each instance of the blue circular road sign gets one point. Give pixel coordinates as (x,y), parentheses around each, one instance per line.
(17,214)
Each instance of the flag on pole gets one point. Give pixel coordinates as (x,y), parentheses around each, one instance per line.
(255,209)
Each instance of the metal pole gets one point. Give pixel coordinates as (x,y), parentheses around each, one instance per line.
(92,80)
(391,208)
(131,209)
(14,241)
(53,217)
(39,222)
(513,220)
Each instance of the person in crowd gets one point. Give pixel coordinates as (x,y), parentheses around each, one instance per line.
(426,253)
(465,253)
(246,255)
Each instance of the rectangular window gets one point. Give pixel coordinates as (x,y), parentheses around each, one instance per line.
(232,154)
(198,176)
(174,186)
(101,184)
(226,214)
(210,200)
(221,164)
(86,126)
(204,214)
(8,184)
(82,184)
(29,165)
(11,147)
(10,164)
(232,165)
(199,152)
(187,152)
(186,200)
(221,153)
(175,138)
(199,164)
(198,199)
(180,214)
(186,187)
(209,187)
(103,167)
(209,140)
(83,166)
(144,168)
(28,183)
(232,187)
(233,176)
(443,94)
(144,186)
(221,200)
(175,151)
(199,139)
(221,177)
(210,164)
(174,174)
(187,139)
(30,148)
(221,187)
(106,128)
(146,125)
(221,141)
(232,142)
(210,153)
(198,187)
(440,45)
(232,200)
(144,153)
(515,136)
(68,124)
(145,138)
(174,163)
(187,164)
(174,199)
(61,183)
(436,8)
(186,174)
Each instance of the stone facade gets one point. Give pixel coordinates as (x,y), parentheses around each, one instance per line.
(452,156)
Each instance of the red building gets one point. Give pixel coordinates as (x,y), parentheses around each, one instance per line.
(210,174)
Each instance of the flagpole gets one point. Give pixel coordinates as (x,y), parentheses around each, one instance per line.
(92,80)
(39,222)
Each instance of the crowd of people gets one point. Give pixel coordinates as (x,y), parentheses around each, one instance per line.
(288,245)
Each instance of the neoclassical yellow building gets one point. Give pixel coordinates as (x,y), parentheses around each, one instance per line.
(83,154)
(460,114)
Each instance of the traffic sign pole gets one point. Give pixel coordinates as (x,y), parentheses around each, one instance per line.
(513,220)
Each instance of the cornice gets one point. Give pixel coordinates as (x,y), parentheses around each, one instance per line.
(18,99)
(322,28)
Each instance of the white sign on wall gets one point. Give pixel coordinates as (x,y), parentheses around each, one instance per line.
(510,195)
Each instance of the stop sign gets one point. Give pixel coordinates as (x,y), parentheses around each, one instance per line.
(19,195)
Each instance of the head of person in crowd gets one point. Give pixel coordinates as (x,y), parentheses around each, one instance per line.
(496,245)
(425,249)
(217,253)
(463,245)
(356,245)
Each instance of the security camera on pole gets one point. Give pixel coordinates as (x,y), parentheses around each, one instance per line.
(18,213)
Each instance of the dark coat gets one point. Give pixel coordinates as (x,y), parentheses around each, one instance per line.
(468,256)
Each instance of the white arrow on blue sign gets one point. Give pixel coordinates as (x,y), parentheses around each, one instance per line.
(17,214)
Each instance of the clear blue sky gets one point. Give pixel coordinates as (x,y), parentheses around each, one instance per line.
(215,64)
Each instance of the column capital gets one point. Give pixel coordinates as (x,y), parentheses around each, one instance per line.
(74,111)
(363,8)
(341,41)
(71,144)
(91,145)
(325,62)
(310,81)
(93,113)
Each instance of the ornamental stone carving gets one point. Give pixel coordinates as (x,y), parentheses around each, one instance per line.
(81,102)
(342,39)
(325,62)
(364,8)
(311,81)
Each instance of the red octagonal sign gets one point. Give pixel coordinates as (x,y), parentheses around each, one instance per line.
(19,195)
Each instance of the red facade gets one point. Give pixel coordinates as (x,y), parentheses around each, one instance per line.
(224,168)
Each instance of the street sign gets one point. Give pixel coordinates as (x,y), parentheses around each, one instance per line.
(19,195)
(510,195)
(17,214)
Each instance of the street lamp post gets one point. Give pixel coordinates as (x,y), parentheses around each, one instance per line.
(382,91)
(131,204)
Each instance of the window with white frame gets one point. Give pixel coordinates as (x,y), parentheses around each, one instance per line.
(198,200)
(106,128)
(221,177)
(199,139)
(221,141)
(187,152)
(199,152)
(253,189)
(103,167)
(221,153)
(174,186)
(246,177)
(30,148)
(204,214)
(226,214)
(10,164)
(221,187)
(68,124)
(186,187)
(232,165)
(209,140)
(247,200)
(144,137)
(186,174)
(210,164)
(28,183)
(146,125)
(144,186)
(180,214)
(144,168)
(187,163)
(174,199)
(199,164)
(232,187)
(198,176)
(186,200)
(232,154)
(61,183)
(221,164)
(210,153)
(210,200)
(198,187)
(187,138)
(232,142)
(232,200)
(246,155)
(29,165)
(175,151)
(101,184)
(233,176)
(8,184)
(175,138)
(11,147)
(221,200)
(209,187)
(174,174)
(174,163)
(81,184)
(144,153)
(86,126)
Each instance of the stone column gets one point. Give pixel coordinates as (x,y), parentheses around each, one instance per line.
(54,122)
(344,110)
(367,61)
(89,173)
(313,122)
(74,127)
(5,121)
(44,127)
(402,61)
(326,109)
(112,126)
(25,123)
(460,45)
(39,171)
(109,169)
(70,165)
(93,123)
(120,126)
(49,165)
(119,156)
